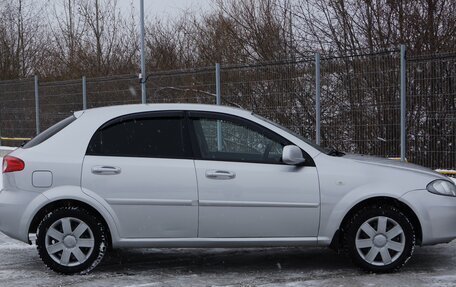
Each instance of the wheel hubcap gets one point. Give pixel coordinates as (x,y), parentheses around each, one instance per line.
(380,241)
(69,241)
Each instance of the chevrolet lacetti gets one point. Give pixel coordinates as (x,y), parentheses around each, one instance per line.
(183,175)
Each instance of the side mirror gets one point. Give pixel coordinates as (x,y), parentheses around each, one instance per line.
(292,154)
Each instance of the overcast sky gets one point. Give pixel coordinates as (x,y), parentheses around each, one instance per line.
(166,8)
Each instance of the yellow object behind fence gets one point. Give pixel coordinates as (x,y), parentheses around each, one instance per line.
(446,172)
(14,139)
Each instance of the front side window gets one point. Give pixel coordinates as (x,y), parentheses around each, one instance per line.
(307,141)
(141,137)
(223,139)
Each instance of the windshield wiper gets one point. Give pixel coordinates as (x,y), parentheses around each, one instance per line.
(334,152)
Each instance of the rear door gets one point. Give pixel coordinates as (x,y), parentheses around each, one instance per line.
(142,165)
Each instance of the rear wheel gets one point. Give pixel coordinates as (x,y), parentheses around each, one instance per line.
(379,238)
(71,240)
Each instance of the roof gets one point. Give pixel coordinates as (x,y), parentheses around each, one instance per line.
(126,109)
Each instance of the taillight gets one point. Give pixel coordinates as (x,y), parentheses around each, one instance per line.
(11,163)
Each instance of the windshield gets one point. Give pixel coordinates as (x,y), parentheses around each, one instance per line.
(307,141)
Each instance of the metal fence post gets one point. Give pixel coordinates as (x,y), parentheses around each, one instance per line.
(84,93)
(37,106)
(0,129)
(403,102)
(217,85)
(317,99)
(218,101)
(143,60)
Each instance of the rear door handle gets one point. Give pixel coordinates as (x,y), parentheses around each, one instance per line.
(220,174)
(105,170)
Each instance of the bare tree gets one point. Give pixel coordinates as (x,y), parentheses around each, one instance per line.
(347,26)
(21,39)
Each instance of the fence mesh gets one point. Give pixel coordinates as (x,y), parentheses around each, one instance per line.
(283,92)
(58,100)
(182,86)
(360,104)
(17,109)
(431,110)
(360,100)
(113,90)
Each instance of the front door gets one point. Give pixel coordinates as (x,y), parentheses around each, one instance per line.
(244,188)
(142,166)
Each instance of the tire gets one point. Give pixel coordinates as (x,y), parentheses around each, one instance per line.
(71,240)
(379,238)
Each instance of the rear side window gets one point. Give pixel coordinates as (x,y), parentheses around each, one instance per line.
(161,137)
(50,132)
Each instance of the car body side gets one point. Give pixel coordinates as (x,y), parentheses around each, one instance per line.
(344,183)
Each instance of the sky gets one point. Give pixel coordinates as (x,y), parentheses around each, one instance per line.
(166,8)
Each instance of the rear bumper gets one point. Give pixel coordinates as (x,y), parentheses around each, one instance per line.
(16,211)
(436,213)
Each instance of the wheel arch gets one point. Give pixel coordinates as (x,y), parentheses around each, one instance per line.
(337,240)
(41,213)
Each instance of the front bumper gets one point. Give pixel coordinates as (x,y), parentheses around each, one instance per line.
(16,212)
(436,213)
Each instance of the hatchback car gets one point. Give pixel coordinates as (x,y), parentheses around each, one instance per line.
(183,175)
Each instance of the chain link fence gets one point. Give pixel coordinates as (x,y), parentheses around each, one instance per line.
(283,92)
(361,103)
(182,86)
(17,109)
(431,110)
(360,100)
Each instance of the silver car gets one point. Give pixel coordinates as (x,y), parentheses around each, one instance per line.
(182,175)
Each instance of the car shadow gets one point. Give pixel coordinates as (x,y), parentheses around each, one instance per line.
(306,260)
(226,259)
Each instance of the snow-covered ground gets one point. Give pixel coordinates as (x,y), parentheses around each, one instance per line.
(430,266)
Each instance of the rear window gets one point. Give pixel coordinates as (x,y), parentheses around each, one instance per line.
(50,132)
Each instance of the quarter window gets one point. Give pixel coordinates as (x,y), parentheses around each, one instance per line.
(141,137)
(220,139)
(44,136)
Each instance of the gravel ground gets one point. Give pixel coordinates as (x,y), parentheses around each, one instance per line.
(430,266)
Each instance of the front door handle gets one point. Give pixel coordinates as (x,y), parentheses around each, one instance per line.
(105,170)
(220,174)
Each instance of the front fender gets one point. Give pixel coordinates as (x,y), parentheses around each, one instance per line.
(335,206)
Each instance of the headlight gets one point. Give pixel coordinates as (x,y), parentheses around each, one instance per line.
(442,187)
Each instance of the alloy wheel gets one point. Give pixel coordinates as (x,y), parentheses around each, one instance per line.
(69,241)
(380,241)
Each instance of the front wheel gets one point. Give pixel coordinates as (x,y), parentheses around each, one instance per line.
(379,238)
(71,240)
